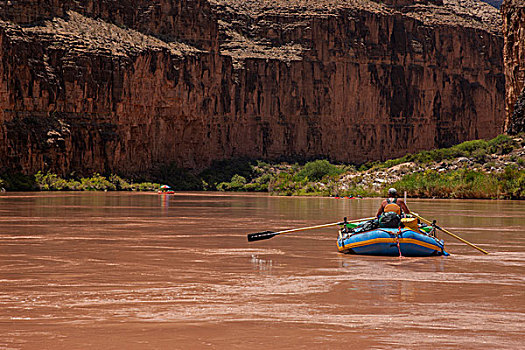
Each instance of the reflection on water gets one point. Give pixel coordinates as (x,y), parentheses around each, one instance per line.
(138,271)
(261,264)
(164,202)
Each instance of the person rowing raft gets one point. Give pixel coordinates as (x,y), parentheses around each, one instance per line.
(391,210)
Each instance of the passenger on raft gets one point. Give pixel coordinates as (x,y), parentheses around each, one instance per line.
(393,203)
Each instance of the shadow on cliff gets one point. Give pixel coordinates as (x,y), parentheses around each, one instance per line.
(17,181)
(181,179)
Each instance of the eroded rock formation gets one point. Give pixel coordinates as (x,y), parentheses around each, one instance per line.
(514,56)
(120,86)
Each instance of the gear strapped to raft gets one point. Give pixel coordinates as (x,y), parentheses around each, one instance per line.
(391,217)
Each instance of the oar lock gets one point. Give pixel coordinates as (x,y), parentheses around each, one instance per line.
(344,227)
(346,231)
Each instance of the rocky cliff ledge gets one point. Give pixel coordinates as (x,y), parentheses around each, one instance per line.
(514,56)
(120,86)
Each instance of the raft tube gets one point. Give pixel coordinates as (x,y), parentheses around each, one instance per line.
(389,242)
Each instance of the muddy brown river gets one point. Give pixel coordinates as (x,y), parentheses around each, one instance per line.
(148,271)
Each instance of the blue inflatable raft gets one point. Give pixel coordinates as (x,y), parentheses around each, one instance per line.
(390,242)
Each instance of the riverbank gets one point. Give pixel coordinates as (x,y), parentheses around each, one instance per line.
(481,169)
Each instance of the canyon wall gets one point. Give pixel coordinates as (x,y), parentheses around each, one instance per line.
(514,56)
(122,86)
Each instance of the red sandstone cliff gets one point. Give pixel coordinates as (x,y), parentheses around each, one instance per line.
(119,86)
(514,57)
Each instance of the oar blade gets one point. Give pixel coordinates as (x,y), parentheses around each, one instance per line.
(259,236)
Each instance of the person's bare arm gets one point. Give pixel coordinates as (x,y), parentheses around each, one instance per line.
(404,207)
(381,209)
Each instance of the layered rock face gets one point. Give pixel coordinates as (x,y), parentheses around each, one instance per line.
(80,94)
(33,11)
(514,56)
(121,86)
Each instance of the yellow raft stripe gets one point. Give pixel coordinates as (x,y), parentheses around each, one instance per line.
(390,240)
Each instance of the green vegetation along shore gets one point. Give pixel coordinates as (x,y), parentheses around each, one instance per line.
(53,182)
(485,169)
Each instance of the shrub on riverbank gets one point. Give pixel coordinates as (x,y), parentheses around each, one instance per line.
(317,170)
(465,183)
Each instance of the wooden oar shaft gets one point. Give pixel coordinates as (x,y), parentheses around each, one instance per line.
(259,236)
(451,234)
(320,226)
(307,228)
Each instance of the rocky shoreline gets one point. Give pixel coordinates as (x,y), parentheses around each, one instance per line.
(492,169)
(494,164)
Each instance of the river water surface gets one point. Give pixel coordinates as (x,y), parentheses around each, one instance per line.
(148,271)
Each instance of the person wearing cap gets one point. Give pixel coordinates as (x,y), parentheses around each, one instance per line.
(393,204)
